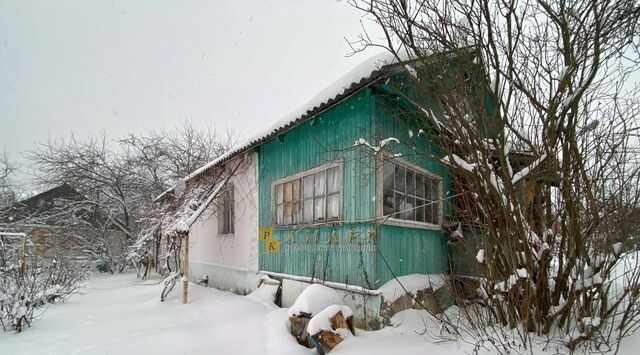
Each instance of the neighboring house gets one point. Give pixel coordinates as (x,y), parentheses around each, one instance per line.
(342,197)
(45,219)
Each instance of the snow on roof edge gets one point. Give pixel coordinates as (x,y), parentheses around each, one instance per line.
(355,80)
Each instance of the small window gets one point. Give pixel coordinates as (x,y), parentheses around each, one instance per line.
(58,202)
(309,197)
(226,215)
(410,195)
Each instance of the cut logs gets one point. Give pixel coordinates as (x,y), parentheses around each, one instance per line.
(330,327)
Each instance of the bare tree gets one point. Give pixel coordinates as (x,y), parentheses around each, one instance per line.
(162,157)
(119,179)
(7,186)
(533,106)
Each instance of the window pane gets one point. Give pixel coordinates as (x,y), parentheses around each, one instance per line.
(296,189)
(297,212)
(308,210)
(436,213)
(420,211)
(288,213)
(399,177)
(428,194)
(409,212)
(288,192)
(334,180)
(226,212)
(319,184)
(411,182)
(229,205)
(318,209)
(307,188)
(387,175)
(278,194)
(280,214)
(435,193)
(333,206)
(419,185)
(429,217)
(387,188)
(398,205)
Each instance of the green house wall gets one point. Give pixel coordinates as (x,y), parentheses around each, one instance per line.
(358,250)
(408,250)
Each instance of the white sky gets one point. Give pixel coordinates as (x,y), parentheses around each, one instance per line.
(85,67)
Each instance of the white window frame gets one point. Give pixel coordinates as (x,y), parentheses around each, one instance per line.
(229,187)
(390,220)
(299,176)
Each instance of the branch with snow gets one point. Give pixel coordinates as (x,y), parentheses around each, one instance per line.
(381,145)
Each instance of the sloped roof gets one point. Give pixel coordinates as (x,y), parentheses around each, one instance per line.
(361,76)
(64,191)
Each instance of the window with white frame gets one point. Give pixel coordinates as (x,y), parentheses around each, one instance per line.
(226,215)
(309,197)
(409,194)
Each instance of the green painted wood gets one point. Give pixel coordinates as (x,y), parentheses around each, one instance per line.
(339,253)
(409,250)
(330,252)
(405,251)
(327,138)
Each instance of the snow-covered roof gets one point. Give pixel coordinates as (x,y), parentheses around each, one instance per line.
(362,75)
(188,216)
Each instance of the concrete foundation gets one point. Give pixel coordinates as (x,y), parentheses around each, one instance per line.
(366,307)
(238,281)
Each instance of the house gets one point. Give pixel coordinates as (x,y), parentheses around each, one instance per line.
(51,227)
(217,206)
(347,191)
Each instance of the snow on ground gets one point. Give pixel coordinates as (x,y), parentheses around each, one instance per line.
(396,288)
(122,315)
(313,300)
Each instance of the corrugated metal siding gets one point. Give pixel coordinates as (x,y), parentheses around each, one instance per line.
(408,250)
(344,260)
(329,137)
(326,138)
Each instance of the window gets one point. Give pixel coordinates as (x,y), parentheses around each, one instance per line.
(313,196)
(410,195)
(226,215)
(58,202)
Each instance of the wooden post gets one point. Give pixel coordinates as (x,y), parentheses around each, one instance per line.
(185,269)
(23,254)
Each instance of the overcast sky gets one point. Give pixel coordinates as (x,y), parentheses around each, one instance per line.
(85,67)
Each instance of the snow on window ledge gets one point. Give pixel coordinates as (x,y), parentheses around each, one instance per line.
(410,224)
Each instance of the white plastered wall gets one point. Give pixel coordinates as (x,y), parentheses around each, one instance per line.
(229,259)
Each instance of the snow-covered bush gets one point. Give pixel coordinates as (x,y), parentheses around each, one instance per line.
(25,290)
(535,123)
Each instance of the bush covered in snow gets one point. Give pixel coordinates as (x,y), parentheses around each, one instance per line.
(26,290)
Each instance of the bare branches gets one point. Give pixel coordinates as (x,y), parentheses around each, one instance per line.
(7,187)
(537,125)
(118,180)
